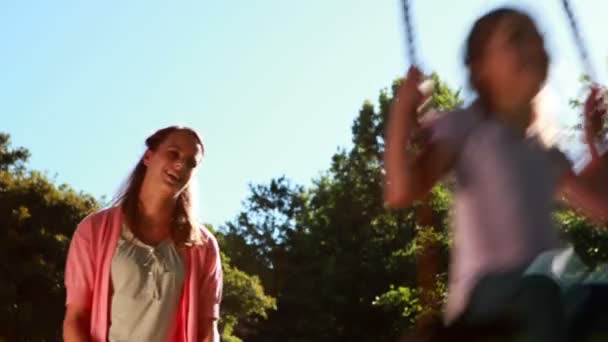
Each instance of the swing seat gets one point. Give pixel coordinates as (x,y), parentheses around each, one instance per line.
(516,298)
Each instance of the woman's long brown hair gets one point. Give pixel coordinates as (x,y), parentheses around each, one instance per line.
(185,230)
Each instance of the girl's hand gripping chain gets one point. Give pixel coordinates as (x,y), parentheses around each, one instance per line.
(594,113)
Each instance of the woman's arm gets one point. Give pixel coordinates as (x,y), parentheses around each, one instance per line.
(209,330)
(408,179)
(76,323)
(79,285)
(210,295)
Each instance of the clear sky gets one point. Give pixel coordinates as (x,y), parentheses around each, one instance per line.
(272,85)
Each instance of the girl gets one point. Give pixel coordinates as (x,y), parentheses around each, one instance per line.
(144,270)
(506,180)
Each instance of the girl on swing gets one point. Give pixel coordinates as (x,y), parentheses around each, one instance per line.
(506,180)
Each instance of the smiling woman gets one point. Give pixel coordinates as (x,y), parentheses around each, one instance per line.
(145,269)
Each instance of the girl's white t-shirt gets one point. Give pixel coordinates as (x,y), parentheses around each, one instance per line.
(504,197)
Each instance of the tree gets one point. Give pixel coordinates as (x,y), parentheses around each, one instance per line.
(36,219)
(11,159)
(243,302)
(340,249)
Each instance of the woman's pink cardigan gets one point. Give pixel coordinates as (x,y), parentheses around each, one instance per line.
(87,276)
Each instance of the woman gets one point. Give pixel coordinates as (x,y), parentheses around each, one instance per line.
(144,270)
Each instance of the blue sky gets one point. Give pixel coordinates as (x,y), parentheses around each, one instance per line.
(272,85)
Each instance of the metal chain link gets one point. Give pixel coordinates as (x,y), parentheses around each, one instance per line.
(578,40)
(409,33)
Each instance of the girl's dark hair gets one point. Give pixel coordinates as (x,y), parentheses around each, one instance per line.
(480,34)
(186,230)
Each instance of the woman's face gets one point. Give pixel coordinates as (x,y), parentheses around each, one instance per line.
(514,64)
(171,166)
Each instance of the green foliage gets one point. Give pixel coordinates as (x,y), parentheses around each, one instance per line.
(243,301)
(12,159)
(444,98)
(590,241)
(403,300)
(36,219)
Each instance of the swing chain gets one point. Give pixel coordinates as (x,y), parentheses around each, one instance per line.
(580,44)
(409,33)
(578,39)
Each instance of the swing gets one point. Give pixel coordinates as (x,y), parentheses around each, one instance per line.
(590,317)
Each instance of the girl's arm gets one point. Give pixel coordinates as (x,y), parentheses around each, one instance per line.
(588,191)
(409,178)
